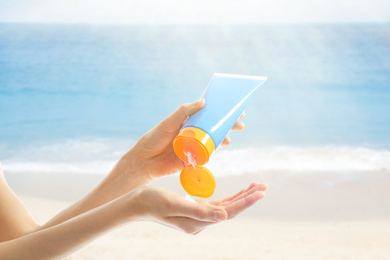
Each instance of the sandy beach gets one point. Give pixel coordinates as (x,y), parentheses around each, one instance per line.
(303,216)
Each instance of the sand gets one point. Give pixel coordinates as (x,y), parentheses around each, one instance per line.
(303,216)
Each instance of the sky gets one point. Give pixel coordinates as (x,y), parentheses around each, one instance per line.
(194,11)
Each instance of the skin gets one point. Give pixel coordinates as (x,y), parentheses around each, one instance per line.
(122,197)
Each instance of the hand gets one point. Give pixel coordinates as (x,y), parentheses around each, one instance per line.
(151,157)
(168,208)
(155,150)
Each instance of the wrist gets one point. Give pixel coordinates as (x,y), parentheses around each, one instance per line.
(126,175)
(132,207)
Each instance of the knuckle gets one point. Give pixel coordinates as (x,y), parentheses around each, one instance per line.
(183,108)
(168,204)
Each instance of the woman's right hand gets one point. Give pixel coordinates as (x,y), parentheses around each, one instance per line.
(153,155)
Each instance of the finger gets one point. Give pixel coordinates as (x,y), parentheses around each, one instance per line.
(261,186)
(253,187)
(242,115)
(236,207)
(174,121)
(238,126)
(218,202)
(231,198)
(202,212)
(226,141)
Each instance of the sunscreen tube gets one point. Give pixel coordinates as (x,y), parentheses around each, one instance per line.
(226,97)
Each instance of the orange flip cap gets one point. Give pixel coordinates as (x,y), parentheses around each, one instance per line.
(194,141)
(198,181)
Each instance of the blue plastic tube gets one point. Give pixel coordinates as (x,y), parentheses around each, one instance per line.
(226,97)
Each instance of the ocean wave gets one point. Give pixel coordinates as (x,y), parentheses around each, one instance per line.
(294,159)
(86,155)
(98,156)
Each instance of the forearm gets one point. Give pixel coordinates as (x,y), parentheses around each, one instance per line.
(61,240)
(123,178)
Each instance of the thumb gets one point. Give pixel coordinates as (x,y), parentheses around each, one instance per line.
(175,120)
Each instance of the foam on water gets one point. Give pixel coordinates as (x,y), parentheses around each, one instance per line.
(98,156)
(87,155)
(294,159)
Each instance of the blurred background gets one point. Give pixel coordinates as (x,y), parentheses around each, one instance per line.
(80,81)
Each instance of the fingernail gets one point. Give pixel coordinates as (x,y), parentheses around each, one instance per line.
(219,215)
(199,102)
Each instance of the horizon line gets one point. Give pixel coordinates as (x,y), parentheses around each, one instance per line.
(195,23)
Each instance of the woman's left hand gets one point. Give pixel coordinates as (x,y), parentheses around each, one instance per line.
(168,208)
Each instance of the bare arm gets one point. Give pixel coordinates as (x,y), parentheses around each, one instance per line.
(145,203)
(152,157)
(15,220)
(120,198)
(58,241)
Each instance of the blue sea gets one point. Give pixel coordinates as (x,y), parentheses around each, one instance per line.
(73,98)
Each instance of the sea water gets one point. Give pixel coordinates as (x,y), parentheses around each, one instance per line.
(74,98)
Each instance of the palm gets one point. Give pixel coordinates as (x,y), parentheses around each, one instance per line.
(171,209)
(240,201)
(156,151)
